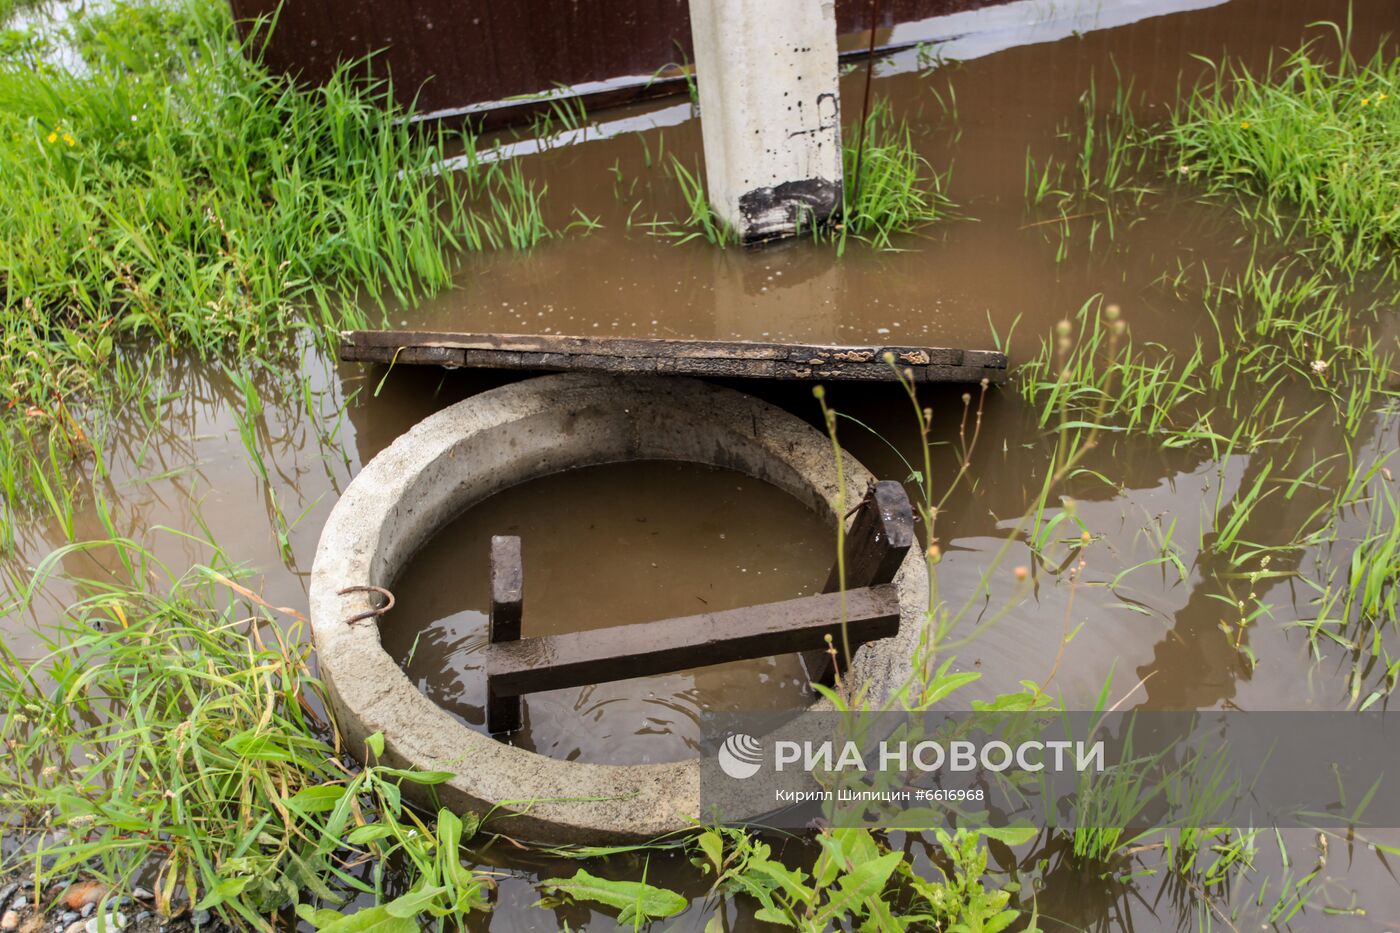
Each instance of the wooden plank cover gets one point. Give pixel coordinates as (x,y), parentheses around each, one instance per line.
(713,358)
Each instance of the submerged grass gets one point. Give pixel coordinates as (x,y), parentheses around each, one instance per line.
(1287,347)
(1309,148)
(1312,144)
(1293,354)
(899,192)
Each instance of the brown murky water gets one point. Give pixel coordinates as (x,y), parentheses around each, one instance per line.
(188,481)
(605,546)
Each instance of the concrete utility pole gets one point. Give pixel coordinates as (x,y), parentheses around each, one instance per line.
(769,112)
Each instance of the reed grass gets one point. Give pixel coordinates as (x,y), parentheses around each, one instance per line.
(899,192)
(172,727)
(1090,376)
(1309,145)
(179,193)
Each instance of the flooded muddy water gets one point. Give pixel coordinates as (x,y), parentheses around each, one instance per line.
(606,546)
(973,120)
(1155,609)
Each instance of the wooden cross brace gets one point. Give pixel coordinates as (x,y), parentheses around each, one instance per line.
(875,546)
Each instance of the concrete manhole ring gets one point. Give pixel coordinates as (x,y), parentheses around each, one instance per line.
(500,438)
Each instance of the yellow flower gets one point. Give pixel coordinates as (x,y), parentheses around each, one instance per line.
(1244,124)
(1365,101)
(53,137)
(68,138)
(1381,97)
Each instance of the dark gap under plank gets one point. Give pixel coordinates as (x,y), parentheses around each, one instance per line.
(713,358)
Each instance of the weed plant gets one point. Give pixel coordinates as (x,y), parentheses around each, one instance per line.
(1289,349)
(1276,328)
(899,192)
(177,192)
(178,736)
(1100,178)
(178,732)
(1308,149)
(1310,145)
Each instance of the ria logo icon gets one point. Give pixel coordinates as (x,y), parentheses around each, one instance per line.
(740,756)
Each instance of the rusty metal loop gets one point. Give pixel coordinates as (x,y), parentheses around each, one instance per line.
(369,613)
(869,491)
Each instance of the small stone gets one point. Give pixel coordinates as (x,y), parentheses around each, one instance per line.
(143,916)
(75,927)
(9,921)
(67,917)
(7,890)
(87,910)
(199,918)
(107,923)
(19,902)
(141,894)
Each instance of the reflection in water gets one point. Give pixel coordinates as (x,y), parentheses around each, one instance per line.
(181,465)
(605,546)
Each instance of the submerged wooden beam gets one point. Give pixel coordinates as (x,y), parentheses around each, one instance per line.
(553,662)
(713,358)
(880,536)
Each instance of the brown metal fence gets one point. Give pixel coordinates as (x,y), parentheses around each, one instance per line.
(455,56)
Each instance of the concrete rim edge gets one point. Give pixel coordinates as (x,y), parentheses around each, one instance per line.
(418,483)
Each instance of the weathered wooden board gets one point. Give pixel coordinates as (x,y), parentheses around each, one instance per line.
(713,358)
(503,624)
(552,662)
(880,536)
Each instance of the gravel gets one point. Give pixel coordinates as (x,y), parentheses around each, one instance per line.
(107,923)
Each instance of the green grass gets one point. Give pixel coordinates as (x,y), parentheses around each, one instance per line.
(1291,353)
(1308,148)
(180,194)
(170,736)
(1105,159)
(1359,604)
(172,726)
(1287,347)
(1089,375)
(178,200)
(1097,179)
(899,192)
(1310,145)
(8,8)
